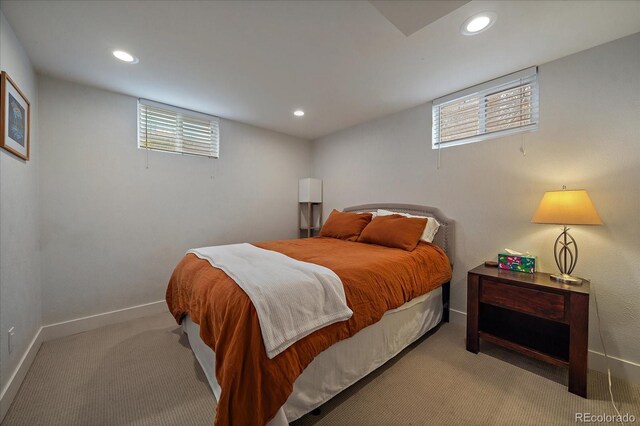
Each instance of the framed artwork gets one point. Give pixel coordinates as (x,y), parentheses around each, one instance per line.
(15,119)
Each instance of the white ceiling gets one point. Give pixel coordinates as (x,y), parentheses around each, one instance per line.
(410,16)
(340,61)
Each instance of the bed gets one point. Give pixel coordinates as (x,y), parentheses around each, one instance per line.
(343,361)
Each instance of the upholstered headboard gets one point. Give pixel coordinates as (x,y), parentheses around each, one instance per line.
(445,236)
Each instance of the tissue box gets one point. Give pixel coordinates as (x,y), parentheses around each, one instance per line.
(518,263)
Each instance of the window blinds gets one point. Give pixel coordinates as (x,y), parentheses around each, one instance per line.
(167,128)
(496,108)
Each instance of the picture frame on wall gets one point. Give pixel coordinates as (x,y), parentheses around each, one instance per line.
(15,118)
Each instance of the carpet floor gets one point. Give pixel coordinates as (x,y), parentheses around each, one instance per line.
(143,372)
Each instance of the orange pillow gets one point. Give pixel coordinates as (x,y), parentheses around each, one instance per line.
(394,231)
(345,226)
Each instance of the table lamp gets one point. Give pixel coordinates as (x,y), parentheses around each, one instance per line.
(566,207)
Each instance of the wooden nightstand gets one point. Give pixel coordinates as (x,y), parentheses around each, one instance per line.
(533,315)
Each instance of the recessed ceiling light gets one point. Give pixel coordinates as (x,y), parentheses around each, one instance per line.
(298,113)
(478,23)
(125,56)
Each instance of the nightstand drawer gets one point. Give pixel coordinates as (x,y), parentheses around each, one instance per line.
(534,302)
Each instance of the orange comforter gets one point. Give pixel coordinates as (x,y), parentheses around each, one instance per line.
(376,279)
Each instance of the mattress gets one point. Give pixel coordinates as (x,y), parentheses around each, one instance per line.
(343,363)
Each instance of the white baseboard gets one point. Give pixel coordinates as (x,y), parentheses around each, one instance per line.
(68,328)
(458,317)
(11,388)
(621,368)
(79,325)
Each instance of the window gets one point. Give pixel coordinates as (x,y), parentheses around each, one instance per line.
(496,108)
(164,127)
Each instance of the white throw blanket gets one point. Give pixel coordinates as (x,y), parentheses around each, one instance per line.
(292,298)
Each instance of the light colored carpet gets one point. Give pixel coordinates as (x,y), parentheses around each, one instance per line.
(143,373)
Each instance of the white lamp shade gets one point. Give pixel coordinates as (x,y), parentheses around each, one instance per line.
(310,190)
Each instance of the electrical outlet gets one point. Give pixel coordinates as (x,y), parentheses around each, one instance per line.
(12,335)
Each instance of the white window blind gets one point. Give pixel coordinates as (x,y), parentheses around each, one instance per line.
(496,108)
(164,127)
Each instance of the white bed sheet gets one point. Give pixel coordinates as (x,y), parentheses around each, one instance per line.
(344,363)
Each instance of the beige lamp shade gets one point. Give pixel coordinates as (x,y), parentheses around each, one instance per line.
(567,208)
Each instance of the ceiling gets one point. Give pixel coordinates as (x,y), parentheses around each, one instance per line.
(342,62)
(410,16)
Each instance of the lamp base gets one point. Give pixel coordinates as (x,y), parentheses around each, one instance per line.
(567,279)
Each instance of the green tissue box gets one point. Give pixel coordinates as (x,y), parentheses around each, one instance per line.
(520,263)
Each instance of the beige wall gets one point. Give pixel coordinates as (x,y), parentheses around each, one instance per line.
(20,291)
(589,138)
(113,230)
